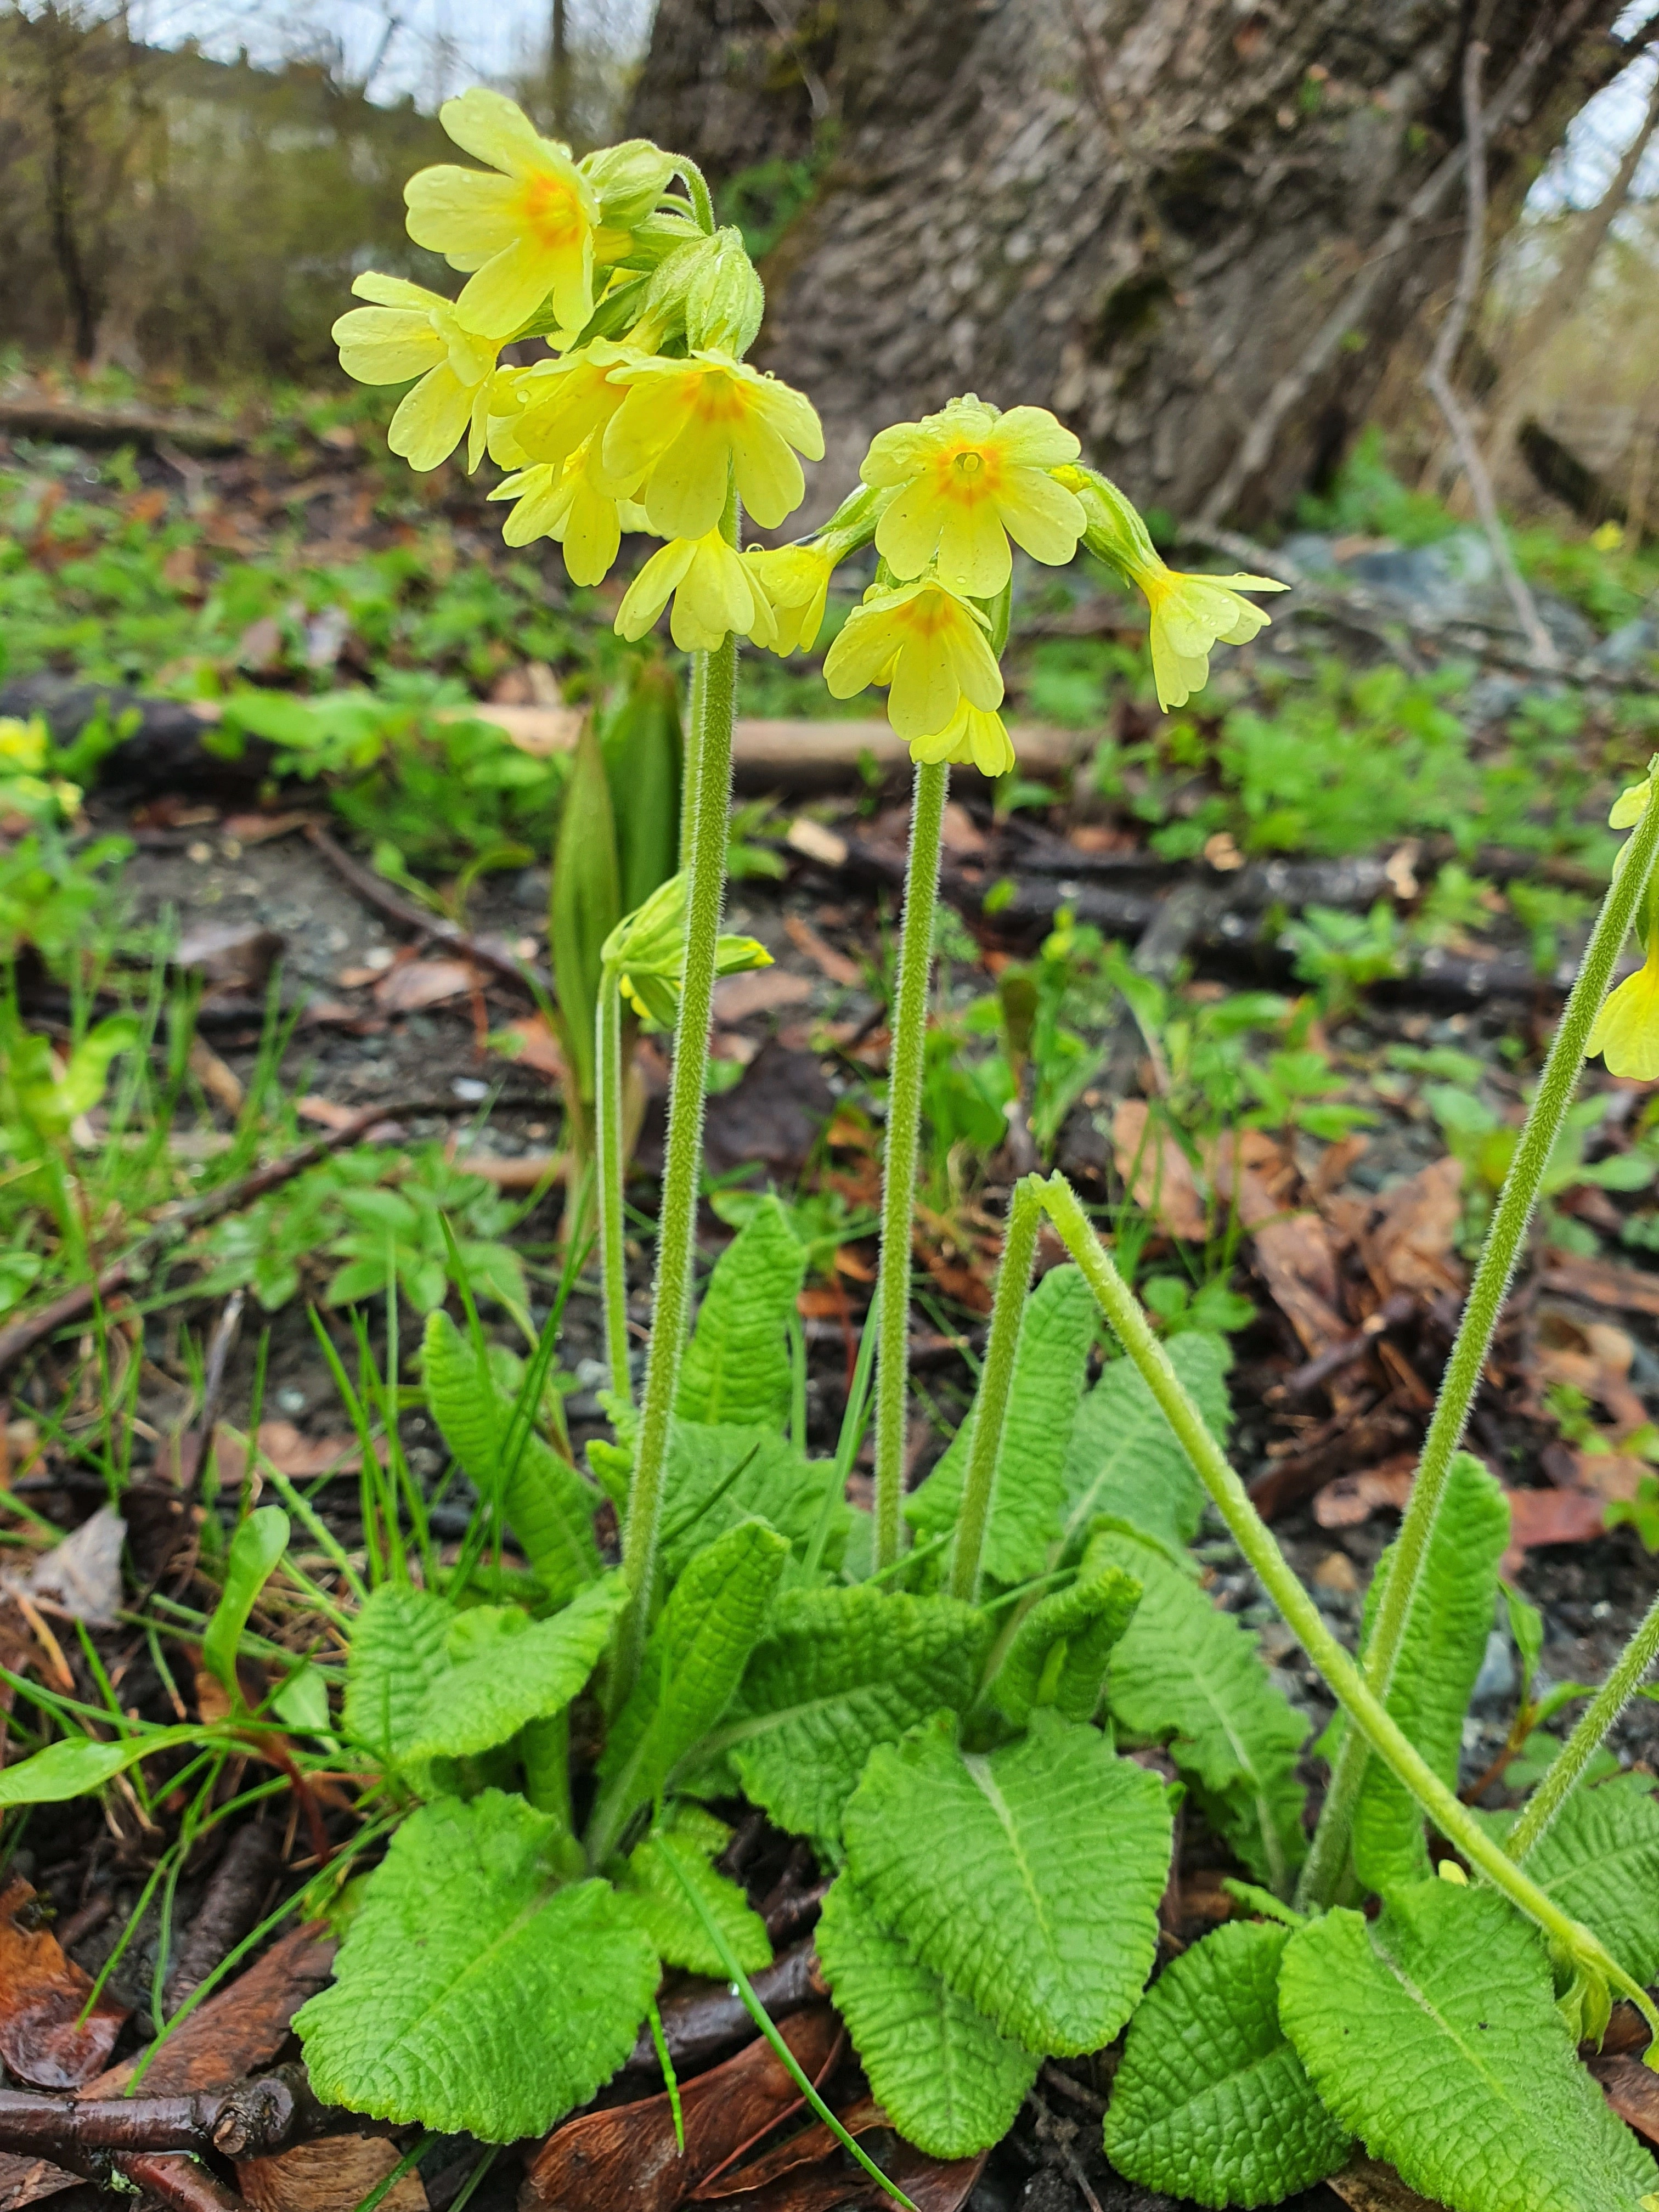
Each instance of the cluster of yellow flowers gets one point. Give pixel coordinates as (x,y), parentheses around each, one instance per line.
(646,418)
(1626,1030)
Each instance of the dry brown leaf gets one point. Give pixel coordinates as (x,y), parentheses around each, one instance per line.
(1601,1282)
(82,1575)
(626,2160)
(221,1084)
(1157,1173)
(1366,2185)
(331,2173)
(41,1994)
(822,955)
(960,832)
(521,1171)
(536,1046)
(1550,1517)
(260,829)
(1633,2090)
(240,2026)
(413,984)
(813,841)
(1610,1475)
(1353,1498)
(231,956)
(806,2149)
(759,991)
(1411,1240)
(932,2185)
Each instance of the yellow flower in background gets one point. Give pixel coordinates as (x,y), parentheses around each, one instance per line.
(974,737)
(411,332)
(571,503)
(1627,1031)
(968,479)
(685,424)
(796,581)
(1191,614)
(23,746)
(713,590)
(526,233)
(543,413)
(928,644)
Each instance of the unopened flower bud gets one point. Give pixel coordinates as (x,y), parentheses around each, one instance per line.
(724,301)
(628,180)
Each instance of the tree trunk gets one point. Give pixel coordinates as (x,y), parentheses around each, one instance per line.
(1196,231)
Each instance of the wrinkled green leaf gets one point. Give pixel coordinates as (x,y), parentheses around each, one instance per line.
(1210,2101)
(717,1475)
(470,1993)
(398,1652)
(1433,2035)
(1188,1675)
(505,1670)
(1028,1879)
(1599,1860)
(1125,1460)
(1063,1644)
(1051,1362)
(947,2078)
(736,1370)
(258,1544)
(656,1893)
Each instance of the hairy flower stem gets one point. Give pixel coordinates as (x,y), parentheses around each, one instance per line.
(1366,1712)
(991,1403)
(1568,1765)
(691,768)
(677,1222)
(906,1067)
(608,1124)
(1505,1241)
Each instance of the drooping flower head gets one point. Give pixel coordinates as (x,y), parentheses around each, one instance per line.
(574,504)
(526,233)
(796,581)
(928,644)
(646,953)
(715,591)
(966,481)
(411,332)
(974,737)
(1626,1031)
(685,425)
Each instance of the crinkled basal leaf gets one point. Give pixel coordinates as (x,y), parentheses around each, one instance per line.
(398,1652)
(1433,2035)
(717,1476)
(548,1506)
(1029,1879)
(1439,1659)
(1051,1362)
(948,2079)
(1211,2101)
(1124,1458)
(1599,1860)
(506,1669)
(652,1889)
(839,1672)
(1063,1644)
(736,1368)
(692,1666)
(472,1993)
(1185,1673)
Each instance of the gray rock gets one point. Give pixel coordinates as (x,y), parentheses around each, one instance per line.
(1495,1685)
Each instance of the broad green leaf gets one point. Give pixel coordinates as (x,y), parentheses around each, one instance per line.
(77,1765)
(548,1506)
(1124,1458)
(717,1475)
(1029,1879)
(259,1543)
(585,902)
(1439,1659)
(949,2079)
(1062,1645)
(1051,1363)
(1599,1860)
(736,1370)
(506,1669)
(396,1654)
(692,1666)
(839,1672)
(472,1993)
(653,1891)
(1188,1675)
(1210,2101)
(1433,2035)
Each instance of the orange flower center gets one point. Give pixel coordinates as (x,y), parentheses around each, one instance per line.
(967,474)
(720,400)
(928,616)
(552,213)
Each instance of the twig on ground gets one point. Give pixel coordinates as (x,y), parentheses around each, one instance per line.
(197,1444)
(1302,1382)
(179,2182)
(230,1908)
(1438,375)
(702,2021)
(375,892)
(251,2117)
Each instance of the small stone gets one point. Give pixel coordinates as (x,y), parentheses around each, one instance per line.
(1495,1684)
(468,1089)
(1335,1571)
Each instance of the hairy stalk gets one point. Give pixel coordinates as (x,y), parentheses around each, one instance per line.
(991,1404)
(1505,1240)
(1366,1712)
(608,1161)
(676,1222)
(906,1067)
(1567,1767)
(691,767)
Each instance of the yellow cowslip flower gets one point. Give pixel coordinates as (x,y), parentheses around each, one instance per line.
(1191,614)
(527,234)
(411,332)
(1627,1031)
(796,581)
(546,412)
(928,644)
(570,502)
(685,424)
(713,590)
(968,479)
(23,746)
(972,736)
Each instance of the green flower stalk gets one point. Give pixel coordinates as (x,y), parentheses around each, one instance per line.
(1567,1768)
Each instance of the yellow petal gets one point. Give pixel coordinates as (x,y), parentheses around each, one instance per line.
(387,345)
(684,493)
(431,420)
(973,549)
(860,653)
(1041,515)
(454,210)
(649,593)
(396,292)
(1627,809)
(768,477)
(1626,1030)
(1031,438)
(513,284)
(492,128)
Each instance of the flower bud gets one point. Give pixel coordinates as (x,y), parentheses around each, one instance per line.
(1115,532)
(725,300)
(646,953)
(628,180)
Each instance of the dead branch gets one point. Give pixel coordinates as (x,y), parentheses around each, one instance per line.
(230,1907)
(705,2020)
(375,892)
(68,423)
(1302,1382)
(1438,375)
(251,2117)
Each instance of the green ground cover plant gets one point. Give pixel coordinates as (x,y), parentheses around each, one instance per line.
(942,1693)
